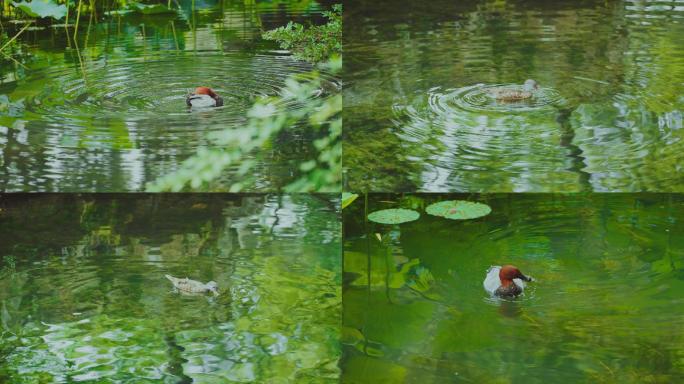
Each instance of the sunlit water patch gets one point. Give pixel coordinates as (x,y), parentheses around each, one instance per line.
(84,297)
(109,113)
(604,304)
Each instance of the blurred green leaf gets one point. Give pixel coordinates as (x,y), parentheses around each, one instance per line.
(348,198)
(42,8)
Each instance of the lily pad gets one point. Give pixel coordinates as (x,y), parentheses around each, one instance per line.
(458,209)
(42,8)
(149,9)
(393,216)
(348,198)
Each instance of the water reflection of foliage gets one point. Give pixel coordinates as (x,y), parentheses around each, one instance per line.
(178,44)
(315,43)
(93,293)
(616,57)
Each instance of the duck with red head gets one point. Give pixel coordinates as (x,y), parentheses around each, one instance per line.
(204,97)
(505,282)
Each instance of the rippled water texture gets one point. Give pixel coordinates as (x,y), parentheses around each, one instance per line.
(109,114)
(419,113)
(605,306)
(83,296)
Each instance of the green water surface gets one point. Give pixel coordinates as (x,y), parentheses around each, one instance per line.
(609,116)
(106,111)
(605,306)
(83,297)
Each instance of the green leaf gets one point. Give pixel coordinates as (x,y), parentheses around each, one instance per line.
(42,8)
(150,9)
(458,209)
(348,198)
(393,216)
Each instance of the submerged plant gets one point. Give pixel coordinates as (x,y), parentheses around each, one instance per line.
(313,44)
(10,263)
(393,216)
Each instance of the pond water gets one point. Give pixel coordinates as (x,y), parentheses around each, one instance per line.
(108,113)
(605,306)
(83,295)
(608,116)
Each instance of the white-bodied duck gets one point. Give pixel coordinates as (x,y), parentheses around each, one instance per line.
(192,287)
(506,282)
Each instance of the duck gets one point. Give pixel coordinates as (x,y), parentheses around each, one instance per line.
(193,287)
(204,97)
(505,281)
(509,94)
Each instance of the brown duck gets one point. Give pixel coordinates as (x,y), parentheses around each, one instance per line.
(507,94)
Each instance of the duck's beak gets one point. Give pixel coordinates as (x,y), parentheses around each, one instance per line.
(524,278)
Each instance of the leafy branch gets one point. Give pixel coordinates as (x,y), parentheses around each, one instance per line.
(313,44)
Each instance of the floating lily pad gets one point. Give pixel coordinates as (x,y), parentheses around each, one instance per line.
(348,198)
(458,209)
(42,8)
(393,216)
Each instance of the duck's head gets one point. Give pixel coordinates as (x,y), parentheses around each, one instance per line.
(508,272)
(204,97)
(530,85)
(212,287)
(210,92)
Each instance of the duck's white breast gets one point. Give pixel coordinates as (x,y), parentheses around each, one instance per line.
(202,101)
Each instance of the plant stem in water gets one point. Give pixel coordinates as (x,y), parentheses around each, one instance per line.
(78,18)
(15,36)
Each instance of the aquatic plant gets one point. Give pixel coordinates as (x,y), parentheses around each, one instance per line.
(315,43)
(348,198)
(394,216)
(458,209)
(11,48)
(42,9)
(145,9)
(10,263)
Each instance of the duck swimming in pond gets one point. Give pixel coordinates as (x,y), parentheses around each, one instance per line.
(506,282)
(509,94)
(204,97)
(192,287)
